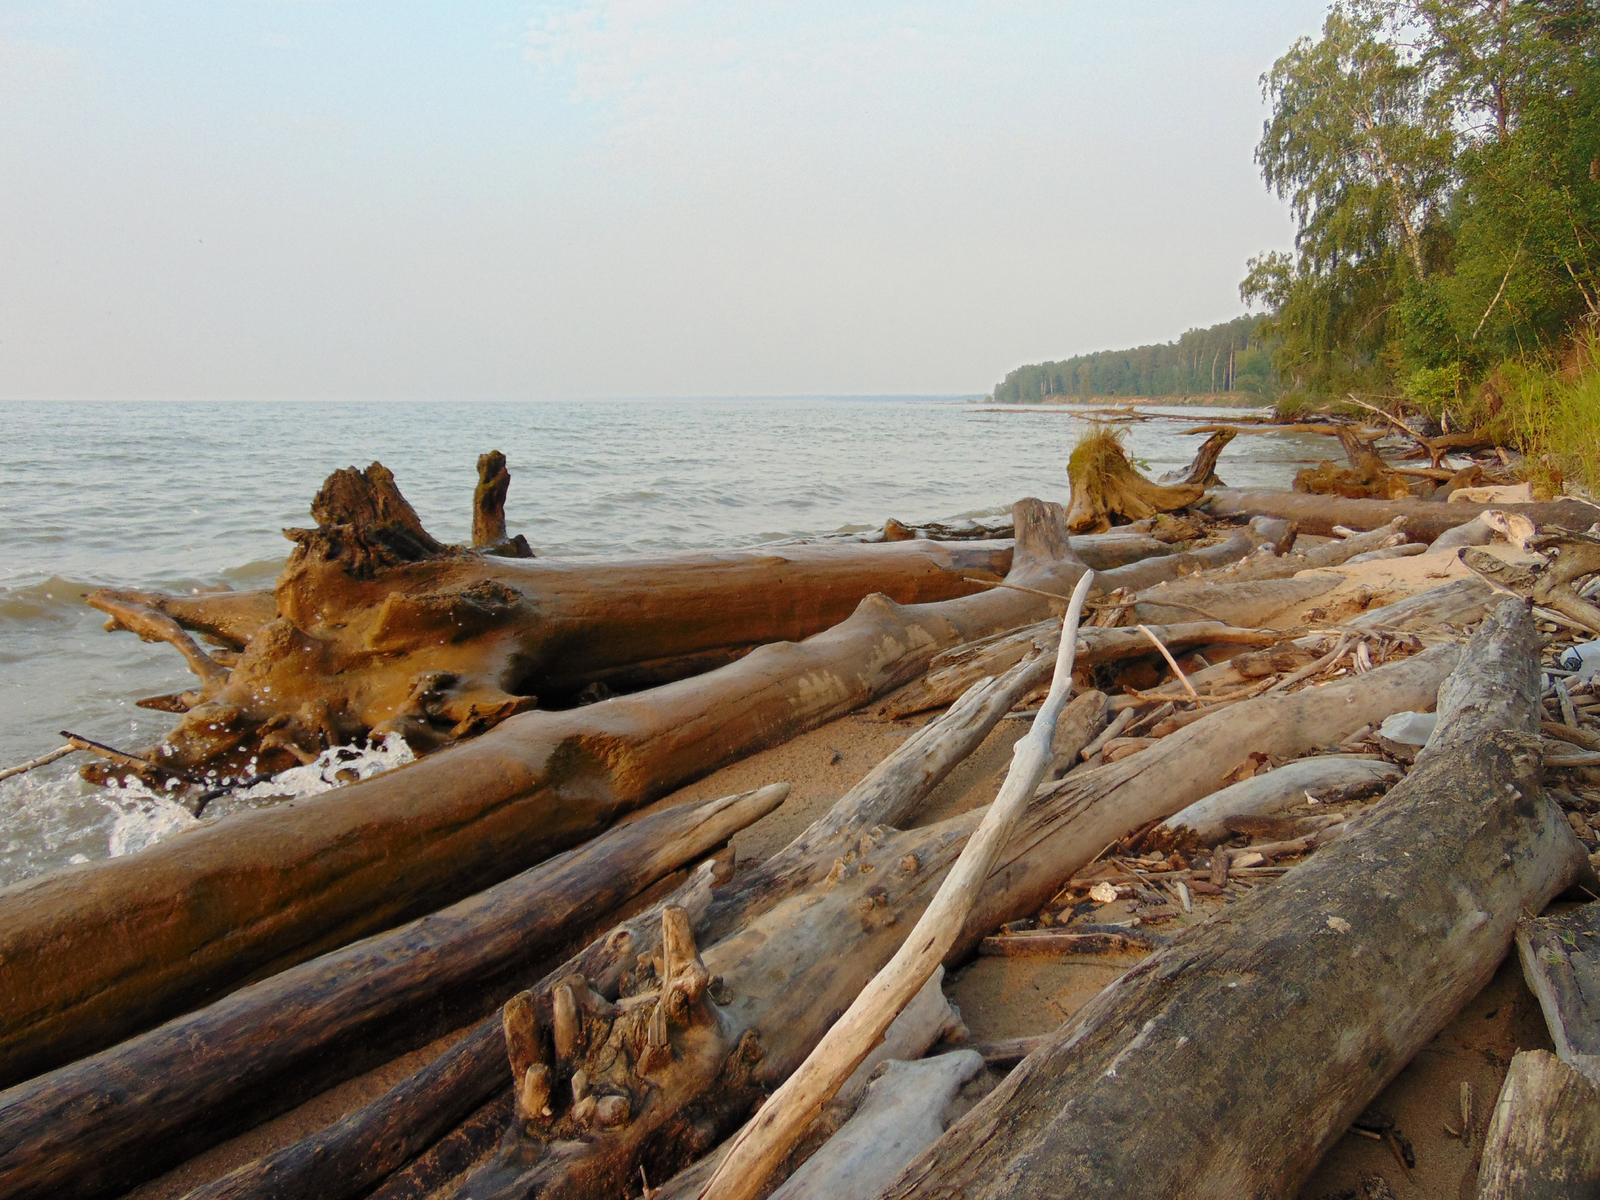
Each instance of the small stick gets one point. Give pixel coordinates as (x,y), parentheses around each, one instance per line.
(1569,715)
(129,760)
(1015,587)
(1122,721)
(1305,672)
(1466,1113)
(59,752)
(1171,662)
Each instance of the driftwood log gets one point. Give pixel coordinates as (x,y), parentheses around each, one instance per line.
(379,628)
(112,1120)
(1544,1138)
(439,1112)
(1329,778)
(768,1139)
(98,952)
(902,1114)
(788,969)
(1280,1024)
(1425,520)
(951,673)
(468,1073)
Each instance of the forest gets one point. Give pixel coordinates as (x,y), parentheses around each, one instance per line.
(1230,357)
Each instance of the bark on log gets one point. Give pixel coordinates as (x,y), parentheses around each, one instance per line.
(963,667)
(176,925)
(1276,790)
(1561,961)
(1424,520)
(108,1122)
(1280,1025)
(1544,1138)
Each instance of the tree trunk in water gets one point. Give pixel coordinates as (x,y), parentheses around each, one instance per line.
(378,628)
(1280,1024)
(179,923)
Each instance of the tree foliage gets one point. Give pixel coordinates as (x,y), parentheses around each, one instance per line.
(1442,162)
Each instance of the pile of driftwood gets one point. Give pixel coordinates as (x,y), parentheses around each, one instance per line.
(1311,842)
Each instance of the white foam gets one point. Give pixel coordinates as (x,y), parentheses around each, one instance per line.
(323,774)
(143,818)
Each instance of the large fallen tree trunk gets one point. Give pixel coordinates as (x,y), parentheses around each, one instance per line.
(379,628)
(1425,520)
(98,952)
(1280,1024)
(119,1117)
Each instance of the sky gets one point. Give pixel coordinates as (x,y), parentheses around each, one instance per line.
(323,199)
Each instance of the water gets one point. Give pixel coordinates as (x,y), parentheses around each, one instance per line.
(184,495)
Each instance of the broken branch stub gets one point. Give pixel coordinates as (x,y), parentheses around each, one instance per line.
(1106,486)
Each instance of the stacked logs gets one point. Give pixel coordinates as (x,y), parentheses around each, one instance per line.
(633,1012)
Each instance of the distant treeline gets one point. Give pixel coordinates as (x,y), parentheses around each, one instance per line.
(1225,358)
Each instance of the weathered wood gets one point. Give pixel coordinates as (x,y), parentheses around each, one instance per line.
(347,1158)
(1075,819)
(489,510)
(177,924)
(1560,957)
(1279,1025)
(1452,605)
(941,686)
(1330,778)
(786,971)
(121,1116)
(1248,602)
(768,1139)
(899,1117)
(1425,520)
(1544,1138)
(1150,571)
(886,795)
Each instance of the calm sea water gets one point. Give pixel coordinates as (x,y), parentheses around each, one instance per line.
(182,495)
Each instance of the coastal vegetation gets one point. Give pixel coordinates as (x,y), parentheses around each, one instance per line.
(1441,159)
(1442,162)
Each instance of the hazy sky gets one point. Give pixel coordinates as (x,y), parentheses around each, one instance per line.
(618,197)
